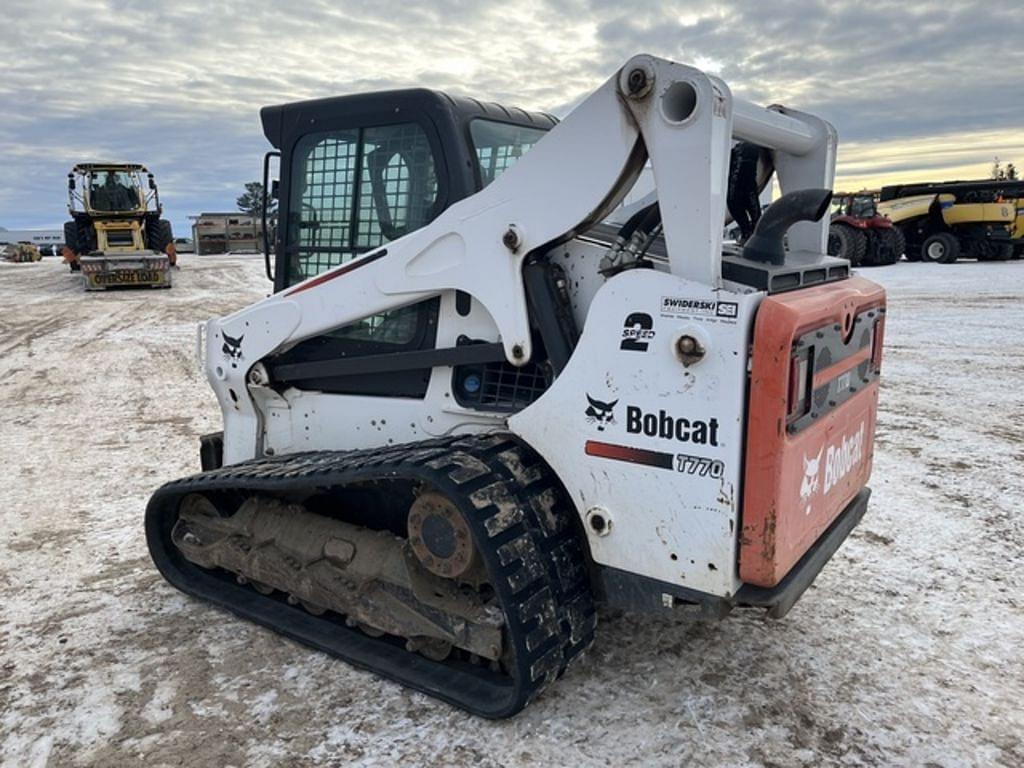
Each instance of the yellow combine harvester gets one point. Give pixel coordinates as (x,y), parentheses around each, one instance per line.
(942,222)
(1017,230)
(116,236)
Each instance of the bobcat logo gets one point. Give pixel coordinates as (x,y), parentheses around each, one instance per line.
(600,413)
(810,482)
(232,347)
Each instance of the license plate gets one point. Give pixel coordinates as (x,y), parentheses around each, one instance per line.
(128,277)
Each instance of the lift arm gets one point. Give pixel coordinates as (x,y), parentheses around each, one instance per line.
(683,120)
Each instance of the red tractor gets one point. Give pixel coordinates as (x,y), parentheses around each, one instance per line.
(857,232)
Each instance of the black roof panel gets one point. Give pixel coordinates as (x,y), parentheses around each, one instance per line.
(285,118)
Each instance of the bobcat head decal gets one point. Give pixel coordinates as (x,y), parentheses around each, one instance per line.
(232,348)
(810,482)
(600,413)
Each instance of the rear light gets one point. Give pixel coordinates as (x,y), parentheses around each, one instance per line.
(799,385)
(877,340)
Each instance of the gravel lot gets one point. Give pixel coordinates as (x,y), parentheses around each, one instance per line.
(906,652)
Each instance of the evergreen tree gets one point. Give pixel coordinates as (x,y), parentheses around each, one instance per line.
(252,201)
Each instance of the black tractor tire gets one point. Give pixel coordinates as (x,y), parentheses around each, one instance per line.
(911,244)
(900,242)
(940,248)
(834,244)
(79,236)
(847,243)
(71,236)
(1002,252)
(975,249)
(889,246)
(158,234)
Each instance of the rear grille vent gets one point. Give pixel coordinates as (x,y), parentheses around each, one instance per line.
(500,386)
(120,238)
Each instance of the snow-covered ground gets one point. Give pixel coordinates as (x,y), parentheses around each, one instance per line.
(907,651)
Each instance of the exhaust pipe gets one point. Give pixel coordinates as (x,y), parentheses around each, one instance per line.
(802,205)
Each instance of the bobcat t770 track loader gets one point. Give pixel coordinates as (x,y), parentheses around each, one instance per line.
(473,409)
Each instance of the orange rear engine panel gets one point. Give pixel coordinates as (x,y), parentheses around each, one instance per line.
(811,423)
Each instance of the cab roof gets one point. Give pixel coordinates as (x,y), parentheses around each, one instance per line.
(282,119)
(88,167)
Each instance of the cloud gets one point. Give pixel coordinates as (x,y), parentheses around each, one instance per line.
(926,87)
(870,164)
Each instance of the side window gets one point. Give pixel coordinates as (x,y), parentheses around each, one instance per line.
(406,329)
(399,184)
(354,190)
(322,192)
(499,145)
(396,327)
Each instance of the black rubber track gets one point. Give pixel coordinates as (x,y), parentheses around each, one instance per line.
(523,527)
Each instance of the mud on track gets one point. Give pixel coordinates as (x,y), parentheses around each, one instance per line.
(906,651)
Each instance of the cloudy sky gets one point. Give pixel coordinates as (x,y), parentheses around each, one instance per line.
(918,90)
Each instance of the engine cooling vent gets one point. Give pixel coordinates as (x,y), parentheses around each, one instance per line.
(120,238)
(500,386)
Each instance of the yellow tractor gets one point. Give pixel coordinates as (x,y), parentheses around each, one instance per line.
(20,252)
(942,222)
(116,236)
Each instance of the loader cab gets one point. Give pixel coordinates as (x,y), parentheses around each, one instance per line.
(113,191)
(863,206)
(357,172)
(109,189)
(860,206)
